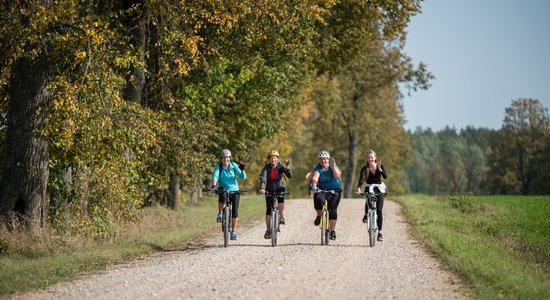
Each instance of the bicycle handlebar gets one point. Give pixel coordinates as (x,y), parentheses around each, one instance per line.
(326,191)
(276,193)
(376,194)
(219,191)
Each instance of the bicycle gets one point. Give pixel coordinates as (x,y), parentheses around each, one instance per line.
(275,215)
(227,214)
(372,216)
(325,224)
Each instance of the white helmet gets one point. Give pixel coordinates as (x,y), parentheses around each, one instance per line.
(324,154)
(225,153)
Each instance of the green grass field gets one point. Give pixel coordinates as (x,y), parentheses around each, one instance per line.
(500,245)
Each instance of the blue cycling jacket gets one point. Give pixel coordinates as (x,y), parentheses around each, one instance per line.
(228,178)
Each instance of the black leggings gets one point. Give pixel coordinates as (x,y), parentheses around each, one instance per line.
(269,202)
(379,207)
(333,201)
(234,198)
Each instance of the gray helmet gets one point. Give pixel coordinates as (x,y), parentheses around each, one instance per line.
(324,154)
(225,153)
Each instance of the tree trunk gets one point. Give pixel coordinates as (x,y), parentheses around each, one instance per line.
(352,167)
(194,195)
(136,82)
(25,172)
(175,192)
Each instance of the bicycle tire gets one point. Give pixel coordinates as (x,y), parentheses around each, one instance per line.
(325,231)
(274,225)
(322,226)
(226,225)
(372,227)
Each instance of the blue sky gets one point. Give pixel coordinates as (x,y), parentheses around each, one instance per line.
(484,54)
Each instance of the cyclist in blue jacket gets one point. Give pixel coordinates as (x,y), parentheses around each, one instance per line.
(272,179)
(326,177)
(225,176)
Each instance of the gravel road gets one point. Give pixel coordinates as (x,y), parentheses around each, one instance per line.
(298,268)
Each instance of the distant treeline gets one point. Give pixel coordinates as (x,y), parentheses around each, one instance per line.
(512,160)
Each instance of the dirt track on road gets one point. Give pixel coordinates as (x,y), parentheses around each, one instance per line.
(298,268)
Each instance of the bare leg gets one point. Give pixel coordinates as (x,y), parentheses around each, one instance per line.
(281,208)
(234,224)
(267,221)
(332,224)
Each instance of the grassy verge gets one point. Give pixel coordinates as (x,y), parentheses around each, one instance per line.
(499,245)
(31,263)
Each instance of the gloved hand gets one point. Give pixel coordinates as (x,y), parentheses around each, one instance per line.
(313,188)
(213,188)
(242,164)
(287,163)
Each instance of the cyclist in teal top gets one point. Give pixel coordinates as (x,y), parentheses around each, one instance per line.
(326,177)
(225,177)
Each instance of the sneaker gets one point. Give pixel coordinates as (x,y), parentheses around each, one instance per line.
(333,235)
(219,217)
(233,235)
(282,220)
(365,219)
(267,234)
(317,221)
(380,237)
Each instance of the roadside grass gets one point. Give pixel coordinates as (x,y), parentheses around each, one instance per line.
(500,245)
(36,261)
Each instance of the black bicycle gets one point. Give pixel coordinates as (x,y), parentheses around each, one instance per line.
(275,215)
(227,214)
(372,216)
(325,224)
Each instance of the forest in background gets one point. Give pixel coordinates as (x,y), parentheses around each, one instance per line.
(513,160)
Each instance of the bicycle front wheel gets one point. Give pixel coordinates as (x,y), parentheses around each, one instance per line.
(226,225)
(274,227)
(325,232)
(372,227)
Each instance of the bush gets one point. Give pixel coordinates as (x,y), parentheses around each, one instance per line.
(463,202)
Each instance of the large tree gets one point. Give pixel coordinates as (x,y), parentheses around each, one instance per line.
(519,150)
(25,170)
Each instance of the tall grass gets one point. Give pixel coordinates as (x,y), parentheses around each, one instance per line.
(500,245)
(29,261)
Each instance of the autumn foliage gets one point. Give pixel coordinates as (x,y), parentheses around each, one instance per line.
(138,93)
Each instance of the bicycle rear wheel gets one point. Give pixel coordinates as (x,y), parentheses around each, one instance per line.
(274,227)
(226,224)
